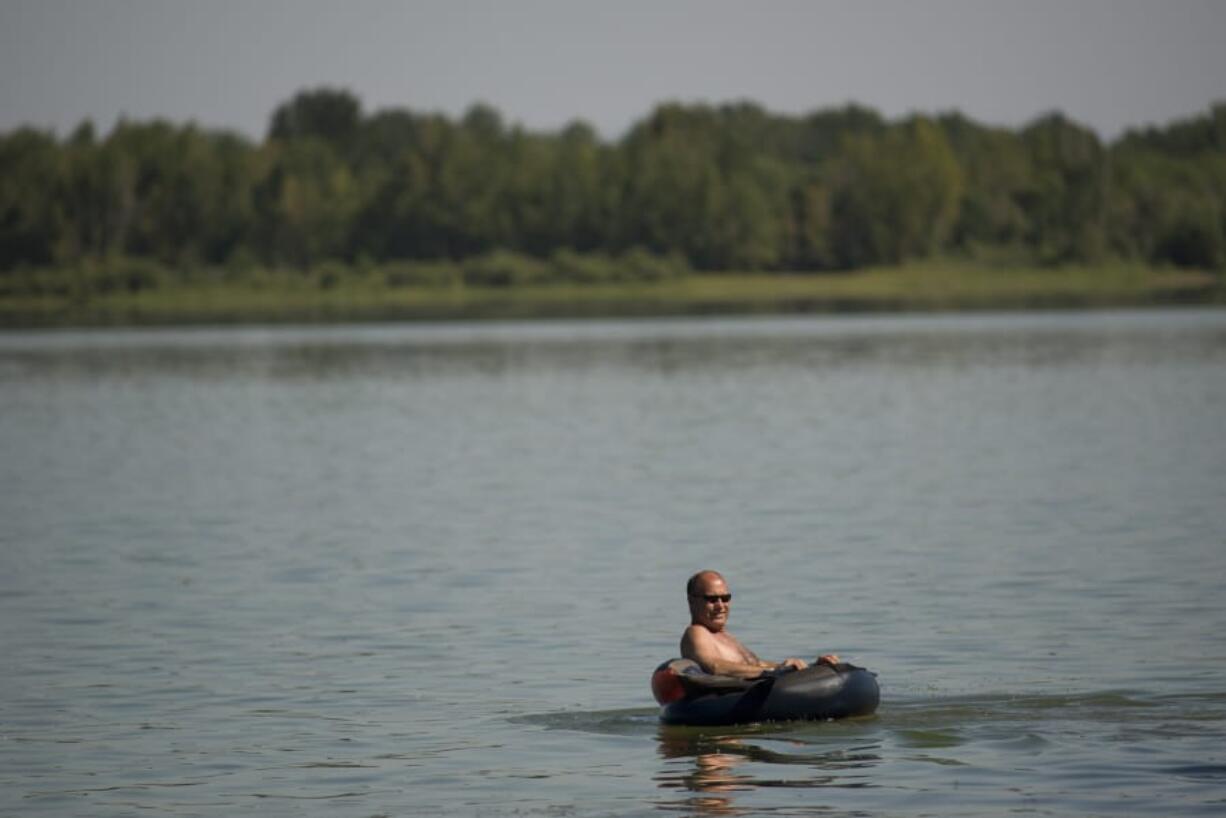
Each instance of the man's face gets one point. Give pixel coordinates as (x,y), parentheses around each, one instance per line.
(711,602)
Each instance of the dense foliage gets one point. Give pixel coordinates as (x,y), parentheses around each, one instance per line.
(714,188)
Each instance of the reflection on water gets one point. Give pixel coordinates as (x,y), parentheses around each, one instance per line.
(713,778)
(497,348)
(721,765)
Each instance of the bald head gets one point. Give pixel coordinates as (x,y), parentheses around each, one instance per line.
(695,582)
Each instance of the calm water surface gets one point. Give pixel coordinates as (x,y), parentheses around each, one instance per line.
(427,570)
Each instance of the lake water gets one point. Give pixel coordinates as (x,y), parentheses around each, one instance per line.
(427,570)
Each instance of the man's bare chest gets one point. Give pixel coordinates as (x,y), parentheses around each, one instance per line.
(731,649)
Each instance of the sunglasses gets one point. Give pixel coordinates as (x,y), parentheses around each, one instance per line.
(713,598)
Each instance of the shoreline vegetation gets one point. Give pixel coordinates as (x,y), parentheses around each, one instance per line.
(332,294)
(339,214)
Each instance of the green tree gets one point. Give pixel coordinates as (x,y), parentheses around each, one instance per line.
(31,216)
(809,226)
(1193,136)
(578,199)
(307,200)
(99,195)
(997,171)
(328,114)
(1167,202)
(1065,202)
(894,195)
(718,187)
(1169,210)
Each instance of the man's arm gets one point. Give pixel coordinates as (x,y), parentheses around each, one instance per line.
(791,661)
(699,644)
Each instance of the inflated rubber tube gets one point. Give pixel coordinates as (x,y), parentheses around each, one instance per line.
(690,695)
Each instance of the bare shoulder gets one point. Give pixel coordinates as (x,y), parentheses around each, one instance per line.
(693,638)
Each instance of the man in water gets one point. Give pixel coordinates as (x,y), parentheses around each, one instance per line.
(707,641)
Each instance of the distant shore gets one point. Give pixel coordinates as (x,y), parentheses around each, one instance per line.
(930,286)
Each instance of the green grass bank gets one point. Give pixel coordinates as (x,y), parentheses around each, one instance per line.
(326,296)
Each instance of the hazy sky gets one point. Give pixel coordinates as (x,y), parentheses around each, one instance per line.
(1109,64)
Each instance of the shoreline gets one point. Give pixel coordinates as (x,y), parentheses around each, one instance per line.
(928,287)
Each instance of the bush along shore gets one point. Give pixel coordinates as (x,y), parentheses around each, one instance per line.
(501,284)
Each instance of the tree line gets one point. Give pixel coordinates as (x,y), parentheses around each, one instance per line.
(728,187)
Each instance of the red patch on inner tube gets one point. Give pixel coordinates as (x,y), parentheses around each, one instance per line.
(666,686)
